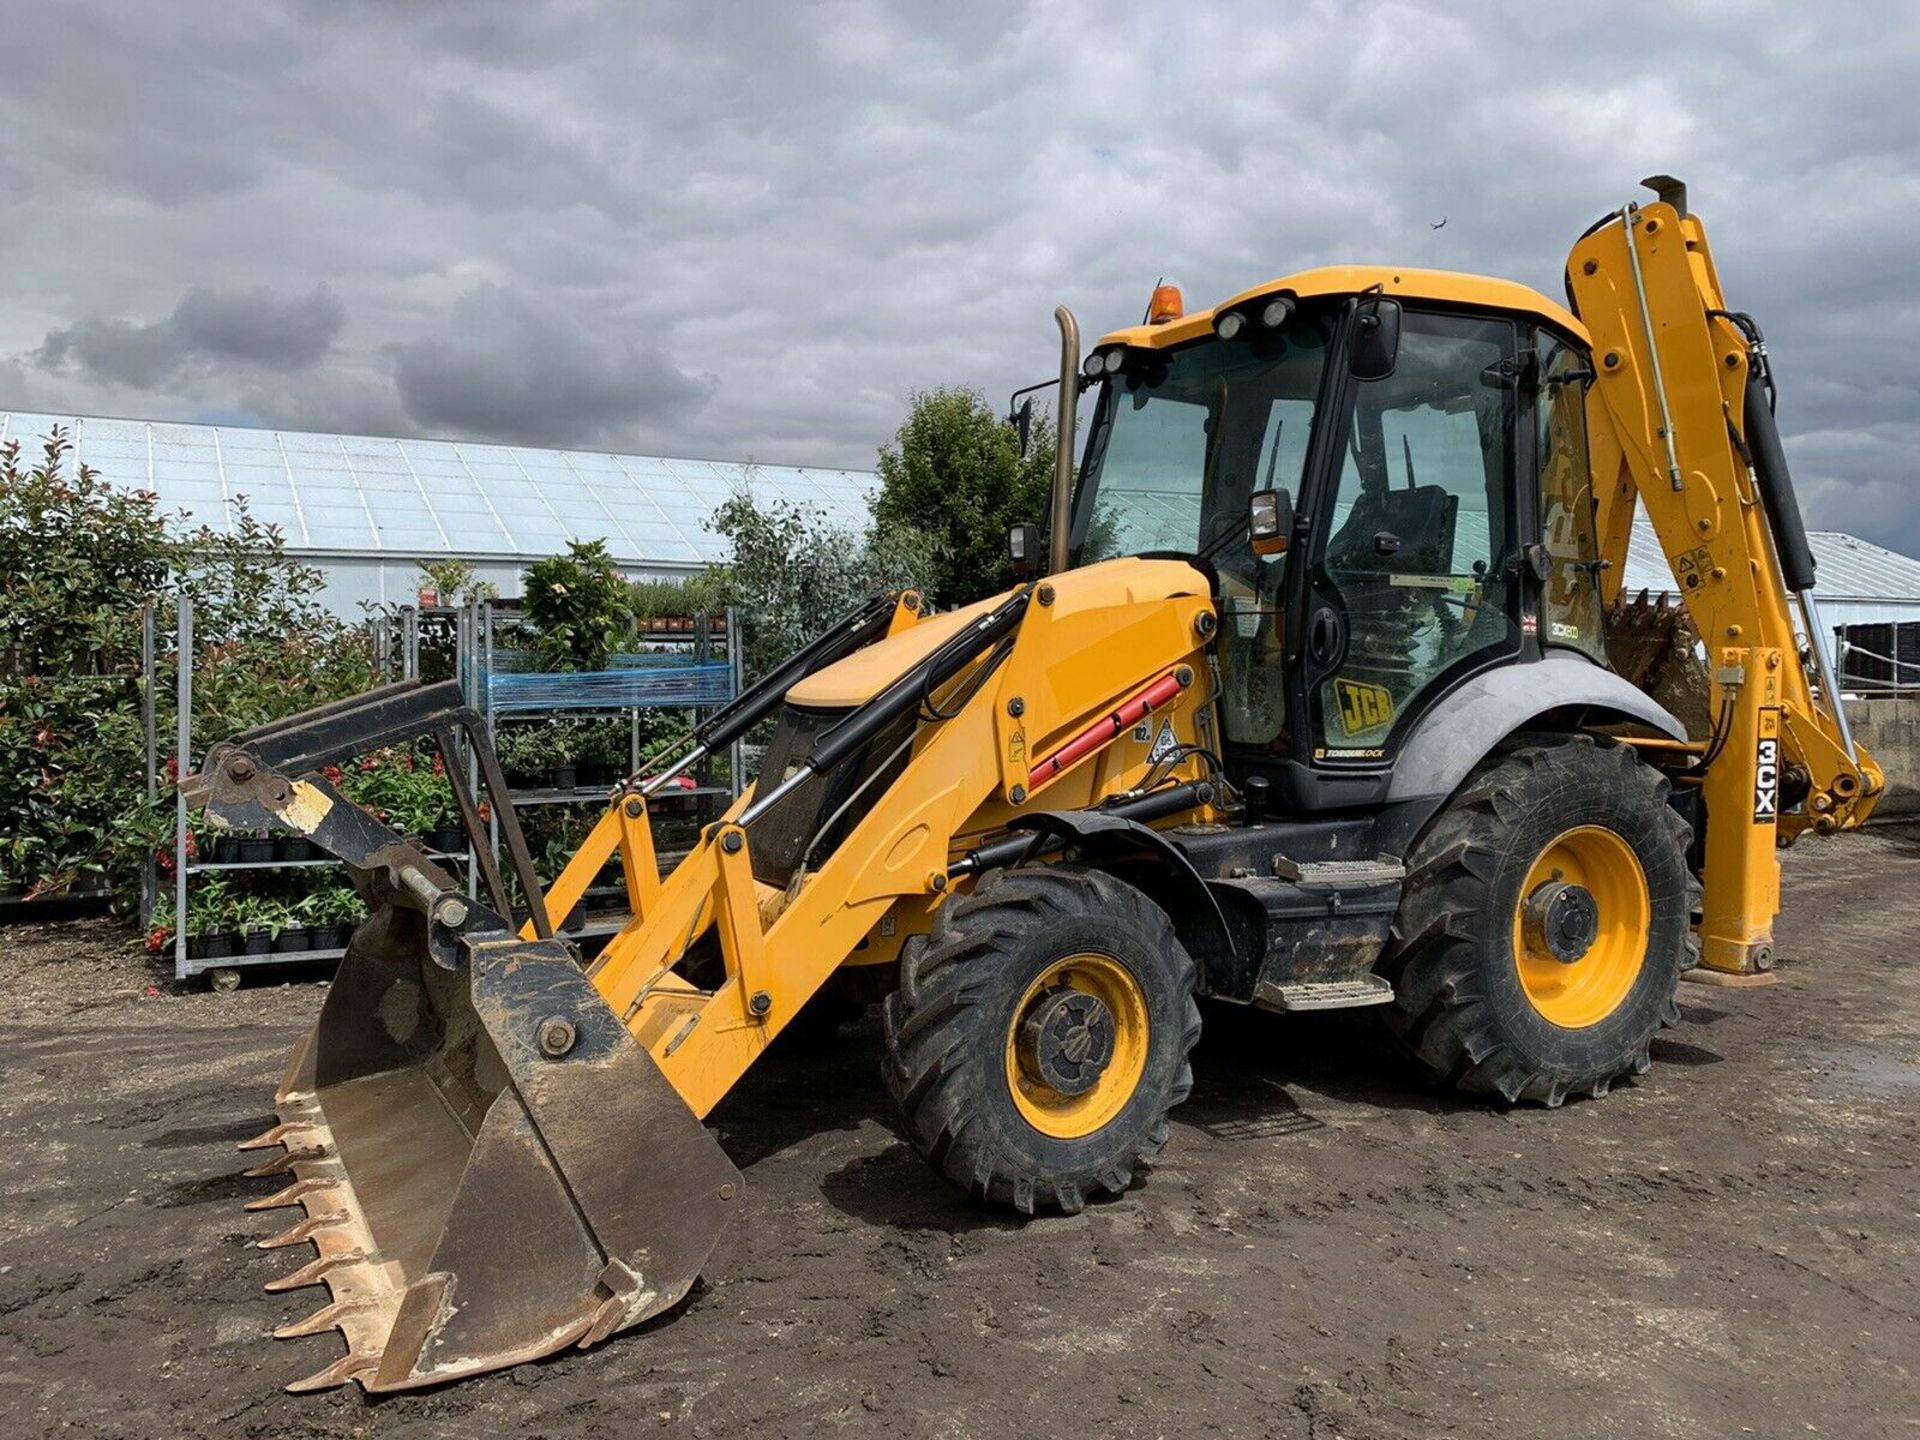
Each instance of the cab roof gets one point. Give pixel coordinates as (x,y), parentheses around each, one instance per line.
(1445,287)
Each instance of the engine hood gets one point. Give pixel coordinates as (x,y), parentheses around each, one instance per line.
(865,673)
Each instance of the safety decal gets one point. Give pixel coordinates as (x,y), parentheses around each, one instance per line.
(1164,744)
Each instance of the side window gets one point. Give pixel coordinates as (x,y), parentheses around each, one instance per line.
(1421,530)
(1571,602)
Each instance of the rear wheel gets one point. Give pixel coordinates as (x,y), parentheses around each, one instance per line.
(1546,923)
(1040,1035)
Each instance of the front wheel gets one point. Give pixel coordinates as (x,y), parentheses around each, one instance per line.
(1546,923)
(1040,1035)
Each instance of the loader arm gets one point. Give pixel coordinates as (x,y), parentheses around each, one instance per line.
(1679,423)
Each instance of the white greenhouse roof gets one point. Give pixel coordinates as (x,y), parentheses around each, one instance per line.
(358,495)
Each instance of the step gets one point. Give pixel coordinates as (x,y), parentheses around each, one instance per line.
(1339,874)
(1324,994)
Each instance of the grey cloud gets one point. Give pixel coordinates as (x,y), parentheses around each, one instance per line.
(753,229)
(507,368)
(253,327)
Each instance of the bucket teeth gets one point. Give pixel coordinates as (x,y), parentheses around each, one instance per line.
(313,1272)
(292,1195)
(300,1230)
(280,1164)
(327,1317)
(277,1135)
(338,1373)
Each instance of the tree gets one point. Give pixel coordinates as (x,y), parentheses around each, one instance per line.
(791,572)
(954,470)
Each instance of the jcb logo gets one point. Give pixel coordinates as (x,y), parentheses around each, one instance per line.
(1363,707)
(1766,782)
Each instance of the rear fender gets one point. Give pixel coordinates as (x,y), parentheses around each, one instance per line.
(1457,735)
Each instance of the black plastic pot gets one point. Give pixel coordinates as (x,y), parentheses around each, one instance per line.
(294,937)
(292,847)
(255,850)
(330,937)
(256,940)
(196,947)
(447,840)
(225,850)
(214,945)
(563,777)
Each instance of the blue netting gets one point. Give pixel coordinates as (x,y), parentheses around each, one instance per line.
(646,685)
(518,661)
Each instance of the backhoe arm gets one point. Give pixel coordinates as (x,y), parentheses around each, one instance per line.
(1680,421)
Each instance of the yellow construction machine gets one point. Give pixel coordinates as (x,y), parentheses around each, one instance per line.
(1305,702)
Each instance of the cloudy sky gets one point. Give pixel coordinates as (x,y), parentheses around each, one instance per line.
(751,230)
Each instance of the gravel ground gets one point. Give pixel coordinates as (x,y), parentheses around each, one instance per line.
(1327,1248)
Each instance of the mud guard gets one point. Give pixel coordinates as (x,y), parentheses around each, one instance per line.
(1148,861)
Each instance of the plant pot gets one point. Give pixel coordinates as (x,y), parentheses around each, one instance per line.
(331,937)
(429,597)
(576,919)
(563,777)
(292,847)
(447,840)
(214,945)
(225,850)
(294,937)
(255,940)
(196,947)
(256,850)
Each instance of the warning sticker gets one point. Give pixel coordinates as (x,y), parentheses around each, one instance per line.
(1164,744)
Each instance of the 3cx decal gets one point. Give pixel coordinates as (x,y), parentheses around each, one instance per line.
(1766,781)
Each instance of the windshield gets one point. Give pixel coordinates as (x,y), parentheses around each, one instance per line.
(1181,440)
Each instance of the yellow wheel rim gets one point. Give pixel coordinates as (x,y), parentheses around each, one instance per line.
(1077,1045)
(1588,882)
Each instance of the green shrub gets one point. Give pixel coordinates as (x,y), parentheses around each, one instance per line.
(81,557)
(578,606)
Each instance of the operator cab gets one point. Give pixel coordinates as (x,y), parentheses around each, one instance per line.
(1419,438)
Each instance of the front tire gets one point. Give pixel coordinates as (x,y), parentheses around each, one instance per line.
(1546,923)
(1040,1035)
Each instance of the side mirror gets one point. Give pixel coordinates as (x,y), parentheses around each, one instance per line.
(1022,422)
(1376,338)
(1023,550)
(1270,521)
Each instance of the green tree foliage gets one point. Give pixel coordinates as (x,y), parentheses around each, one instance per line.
(954,470)
(791,572)
(579,607)
(81,559)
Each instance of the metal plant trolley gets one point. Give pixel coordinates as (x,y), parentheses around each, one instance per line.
(700,677)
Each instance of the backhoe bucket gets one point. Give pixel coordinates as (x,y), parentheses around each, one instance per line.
(489,1166)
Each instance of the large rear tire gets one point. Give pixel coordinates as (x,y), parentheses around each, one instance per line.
(1545,924)
(1040,1036)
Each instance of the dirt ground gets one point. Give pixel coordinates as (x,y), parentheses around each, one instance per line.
(1328,1248)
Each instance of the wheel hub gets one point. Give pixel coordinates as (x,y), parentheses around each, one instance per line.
(1067,1041)
(1562,920)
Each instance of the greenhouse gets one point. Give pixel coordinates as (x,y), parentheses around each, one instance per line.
(370,511)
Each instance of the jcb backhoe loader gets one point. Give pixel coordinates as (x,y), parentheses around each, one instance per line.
(1311,707)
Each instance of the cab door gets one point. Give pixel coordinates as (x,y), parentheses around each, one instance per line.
(1413,582)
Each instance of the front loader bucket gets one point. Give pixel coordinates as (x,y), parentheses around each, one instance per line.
(489,1166)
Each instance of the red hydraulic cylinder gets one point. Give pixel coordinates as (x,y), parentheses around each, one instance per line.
(1103,733)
